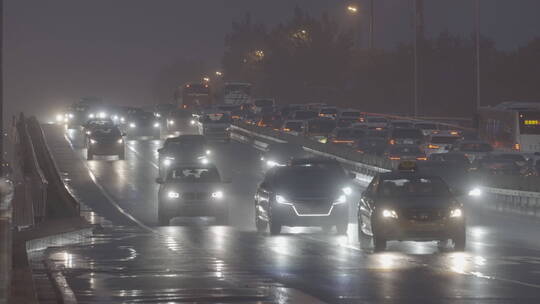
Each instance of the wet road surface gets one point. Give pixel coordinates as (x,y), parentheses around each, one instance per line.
(134,261)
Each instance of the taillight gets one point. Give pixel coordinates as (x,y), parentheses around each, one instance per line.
(392,141)
(430,146)
(421,158)
(517,147)
(394,158)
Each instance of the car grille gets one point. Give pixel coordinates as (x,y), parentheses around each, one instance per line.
(315,206)
(424,215)
(199,196)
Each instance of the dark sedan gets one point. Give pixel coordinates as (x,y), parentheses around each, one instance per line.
(410,206)
(107,140)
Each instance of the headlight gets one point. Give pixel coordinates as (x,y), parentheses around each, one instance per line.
(132,125)
(217,194)
(88,132)
(93,141)
(171,122)
(115,117)
(342,199)
(389,214)
(208,152)
(172,194)
(271,163)
(158,115)
(70,115)
(475,192)
(91,116)
(203,160)
(192,122)
(156,125)
(102,115)
(168,161)
(59,117)
(122,119)
(456,213)
(121,140)
(281,200)
(347,190)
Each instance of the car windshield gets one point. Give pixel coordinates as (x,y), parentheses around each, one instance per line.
(403,186)
(407,133)
(444,139)
(321,126)
(405,150)
(305,114)
(194,175)
(475,147)
(426,126)
(294,125)
(106,132)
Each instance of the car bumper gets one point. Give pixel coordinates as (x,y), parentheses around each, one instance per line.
(287,215)
(407,230)
(193,208)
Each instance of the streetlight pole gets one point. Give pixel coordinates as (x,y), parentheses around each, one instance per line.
(477,63)
(371,24)
(418,44)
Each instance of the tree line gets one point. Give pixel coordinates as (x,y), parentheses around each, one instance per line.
(308,59)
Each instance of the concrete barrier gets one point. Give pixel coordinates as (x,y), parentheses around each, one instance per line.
(6,196)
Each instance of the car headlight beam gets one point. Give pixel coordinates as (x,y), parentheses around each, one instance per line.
(132,125)
(93,141)
(282,200)
(387,213)
(342,199)
(347,190)
(476,192)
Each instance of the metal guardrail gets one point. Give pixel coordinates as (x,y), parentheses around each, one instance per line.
(527,199)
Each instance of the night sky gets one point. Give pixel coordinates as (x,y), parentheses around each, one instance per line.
(59,50)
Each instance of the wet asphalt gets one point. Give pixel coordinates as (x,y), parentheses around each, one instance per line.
(132,260)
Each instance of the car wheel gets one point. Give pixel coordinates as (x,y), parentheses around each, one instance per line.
(260,224)
(275,227)
(459,240)
(341,228)
(163,219)
(379,243)
(89,155)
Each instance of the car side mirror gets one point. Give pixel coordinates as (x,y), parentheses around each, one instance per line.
(159,180)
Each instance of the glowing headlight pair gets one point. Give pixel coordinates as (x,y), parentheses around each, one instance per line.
(387,213)
(174,195)
(168,161)
(456,213)
(271,163)
(342,199)
(476,192)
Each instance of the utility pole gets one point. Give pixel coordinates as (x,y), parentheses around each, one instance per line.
(477,63)
(1,86)
(418,46)
(371,24)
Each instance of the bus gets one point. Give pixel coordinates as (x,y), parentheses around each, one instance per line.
(511,126)
(193,96)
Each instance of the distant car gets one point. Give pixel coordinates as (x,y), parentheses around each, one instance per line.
(405,136)
(192,190)
(404,152)
(303,195)
(402,124)
(328,112)
(428,128)
(190,149)
(455,157)
(288,110)
(473,149)
(440,143)
(293,127)
(304,115)
(143,124)
(272,121)
(280,154)
(95,123)
(215,126)
(351,115)
(372,145)
(346,136)
(410,206)
(180,120)
(105,140)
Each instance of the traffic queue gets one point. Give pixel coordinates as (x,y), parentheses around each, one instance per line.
(417,200)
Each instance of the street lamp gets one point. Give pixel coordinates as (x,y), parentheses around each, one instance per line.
(353,10)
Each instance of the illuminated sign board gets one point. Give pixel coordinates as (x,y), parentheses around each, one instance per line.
(531,122)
